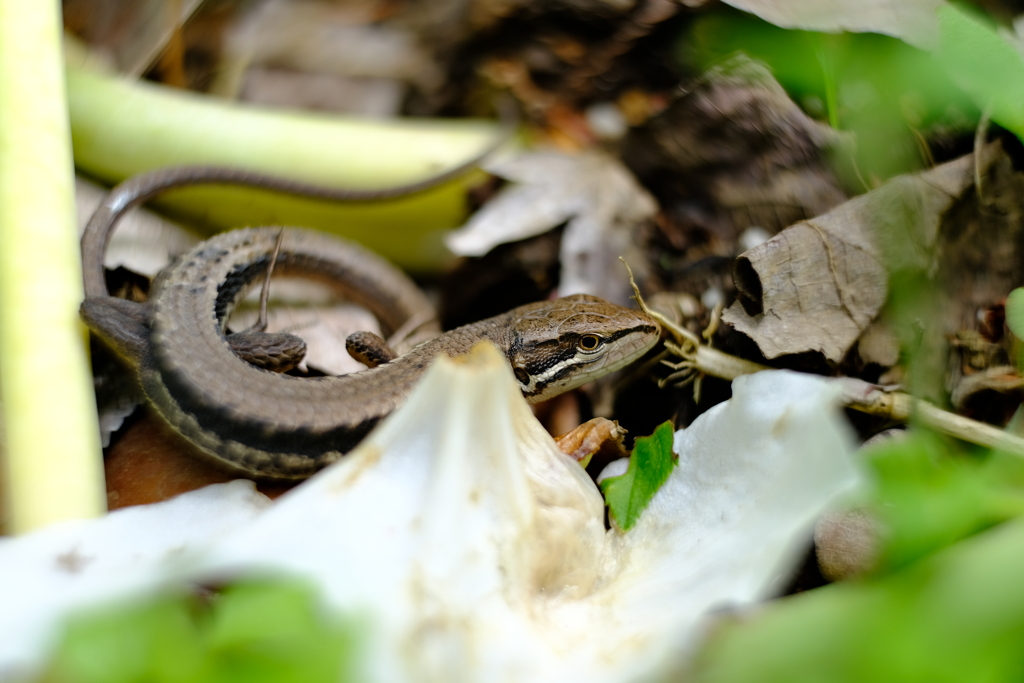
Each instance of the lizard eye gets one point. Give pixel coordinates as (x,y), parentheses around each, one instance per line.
(589,342)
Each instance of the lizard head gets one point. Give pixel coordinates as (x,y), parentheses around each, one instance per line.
(559,345)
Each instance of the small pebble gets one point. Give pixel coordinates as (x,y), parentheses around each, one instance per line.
(712,297)
(606,121)
(753,236)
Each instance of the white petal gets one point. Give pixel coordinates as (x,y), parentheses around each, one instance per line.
(472,548)
(448,526)
(726,528)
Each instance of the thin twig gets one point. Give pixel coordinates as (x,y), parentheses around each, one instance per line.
(698,360)
(261,322)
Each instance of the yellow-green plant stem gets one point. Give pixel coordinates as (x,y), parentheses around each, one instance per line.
(120,128)
(53,466)
(699,359)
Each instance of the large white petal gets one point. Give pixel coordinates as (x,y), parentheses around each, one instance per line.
(473,550)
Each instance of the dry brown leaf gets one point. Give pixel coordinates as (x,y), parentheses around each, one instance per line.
(1003,379)
(131,32)
(342,39)
(816,286)
(602,202)
(366,97)
(733,157)
(150,462)
(879,346)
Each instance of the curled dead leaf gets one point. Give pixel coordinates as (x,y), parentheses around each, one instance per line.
(599,435)
(1002,379)
(594,192)
(735,152)
(818,285)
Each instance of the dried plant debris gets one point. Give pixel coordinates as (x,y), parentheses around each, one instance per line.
(980,258)
(547,53)
(732,153)
(599,198)
(974,388)
(599,435)
(132,33)
(509,275)
(367,97)
(343,41)
(818,285)
(149,462)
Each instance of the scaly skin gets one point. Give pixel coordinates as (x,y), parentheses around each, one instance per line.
(278,426)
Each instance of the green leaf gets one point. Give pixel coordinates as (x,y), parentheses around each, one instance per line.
(981,62)
(151,641)
(928,498)
(251,632)
(650,464)
(1015,312)
(955,616)
(945,603)
(878,88)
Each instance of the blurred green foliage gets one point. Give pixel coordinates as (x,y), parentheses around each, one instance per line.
(887,93)
(945,601)
(928,497)
(251,632)
(1015,312)
(984,64)
(913,313)
(1015,321)
(957,616)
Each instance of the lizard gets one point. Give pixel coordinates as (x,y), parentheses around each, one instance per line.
(265,424)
